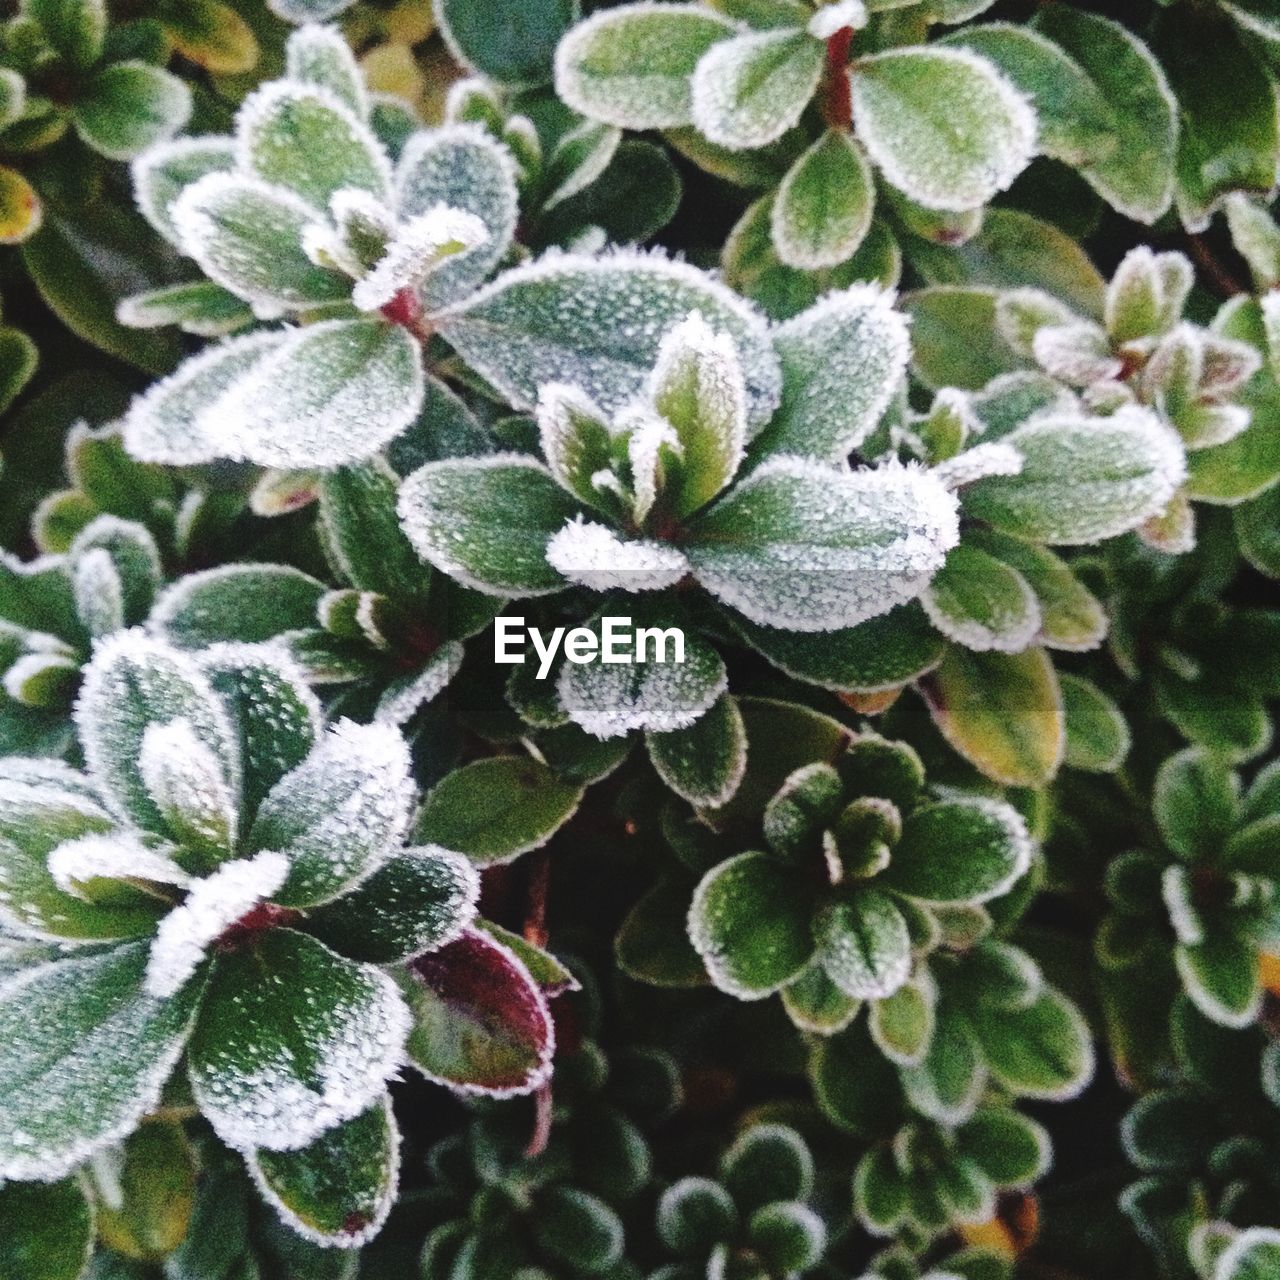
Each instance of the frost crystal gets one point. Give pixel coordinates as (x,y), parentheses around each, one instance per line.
(417,249)
(210,908)
(188,785)
(118,856)
(594,556)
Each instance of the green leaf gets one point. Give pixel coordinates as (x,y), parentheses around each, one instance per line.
(1212,72)
(610,699)
(815,1004)
(292,1040)
(747,91)
(320,56)
(130,106)
(790,1237)
(155,1185)
(949,1080)
(767,1163)
(1001,711)
(163,172)
(954,339)
(85,1055)
(1041,1051)
(703,763)
(824,205)
(653,943)
(632,66)
(1257,527)
(1012,1150)
(247,235)
(695,1214)
(697,386)
(943,125)
(132,684)
(981,603)
(462,167)
(881,653)
(1082,480)
(1071,618)
(842,361)
(46,1230)
(902,1024)
(203,308)
(1137,176)
(508,41)
(236,602)
(750,922)
(338,1189)
(329,395)
(969,849)
(1196,803)
(18,360)
(418,900)
(879,1191)
(84,265)
(856,1089)
(306,140)
(76,29)
(1076,123)
(487,521)
(480,1022)
(596,324)
(339,814)
(863,944)
(495,809)
(1254,1254)
(1097,734)
(803,547)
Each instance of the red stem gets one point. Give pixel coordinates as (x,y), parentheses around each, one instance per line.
(837,100)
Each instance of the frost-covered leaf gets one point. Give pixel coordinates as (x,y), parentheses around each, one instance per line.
(879,654)
(463,168)
(609,699)
(1042,1051)
(419,900)
(419,249)
(129,106)
(161,424)
(1147,293)
(697,386)
(1221,976)
(1195,802)
(240,602)
(304,138)
(593,556)
(750,923)
(705,762)
(75,29)
(247,235)
(212,906)
(277,717)
(338,1189)
(902,1024)
(1001,711)
(948,1082)
(596,323)
(969,849)
(202,308)
(632,66)
(406,695)
(480,1022)
(747,91)
(1256,238)
(493,810)
(982,603)
(188,785)
(319,56)
(292,1040)
(85,1055)
(942,124)
(132,683)
(824,204)
(38,816)
(803,547)
(487,521)
(576,439)
(1076,123)
(163,172)
(1082,480)
(329,394)
(842,361)
(339,815)
(1253,1254)
(1097,735)
(46,1230)
(580,157)
(1137,176)
(863,944)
